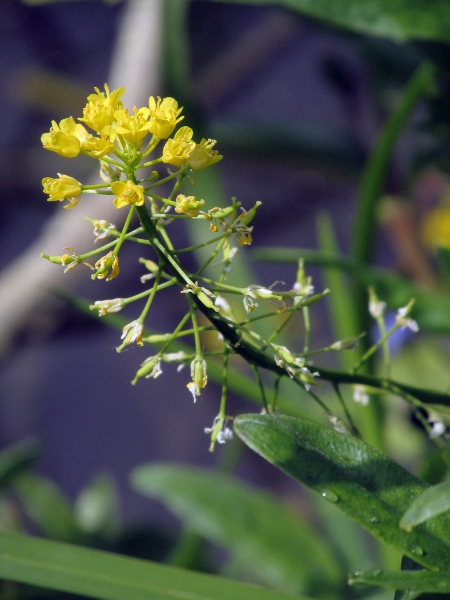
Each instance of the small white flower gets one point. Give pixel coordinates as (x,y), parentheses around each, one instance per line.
(249,302)
(103,229)
(377,308)
(108,306)
(404,321)
(224,435)
(303,290)
(156,370)
(174,356)
(438,426)
(307,377)
(360,395)
(133,332)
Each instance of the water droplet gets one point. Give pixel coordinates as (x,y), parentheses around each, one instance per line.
(417,550)
(373,520)
(330,496)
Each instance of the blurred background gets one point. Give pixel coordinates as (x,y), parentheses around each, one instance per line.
(295,105)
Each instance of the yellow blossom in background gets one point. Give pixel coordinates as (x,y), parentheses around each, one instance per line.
(127,193)
(132,128)
(435,227)
(203,155)
(98,113)
(176,150)
(163,116)
(61,188)
(61,139)
(188,205)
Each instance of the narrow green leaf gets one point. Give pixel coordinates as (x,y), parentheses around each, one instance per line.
(419,581)
(106,576)
(433,502)
(17,457)
(395,19)
(46,505)
(374,176)
(259,531)
(340,300)
(363,482)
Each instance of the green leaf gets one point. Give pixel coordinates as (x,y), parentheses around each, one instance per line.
(16,458)
(419,581)
(395,19)
(106,576)
(46,505)
(433,502)
(259,531)
(363,482)
(97,507)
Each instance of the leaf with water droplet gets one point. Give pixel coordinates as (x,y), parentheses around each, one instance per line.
(417,550)
(366,481)
(330,496)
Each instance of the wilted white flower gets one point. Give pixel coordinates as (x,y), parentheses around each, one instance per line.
(108,306)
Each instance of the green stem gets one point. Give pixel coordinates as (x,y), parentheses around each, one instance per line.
(203,244)
(346,411)
(150,298)
(261,388)
(124,230)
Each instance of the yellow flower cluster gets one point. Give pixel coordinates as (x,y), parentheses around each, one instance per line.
(121,133)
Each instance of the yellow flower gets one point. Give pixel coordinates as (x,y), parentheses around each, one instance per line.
(188,205)
(104,264)
(163,116)
(98,147)
(69,138)
(244,237)
(98,113)
(176,150)
(127,193)
(435,227)
(203,155)
(61,139)
(61,188)
(133,127)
